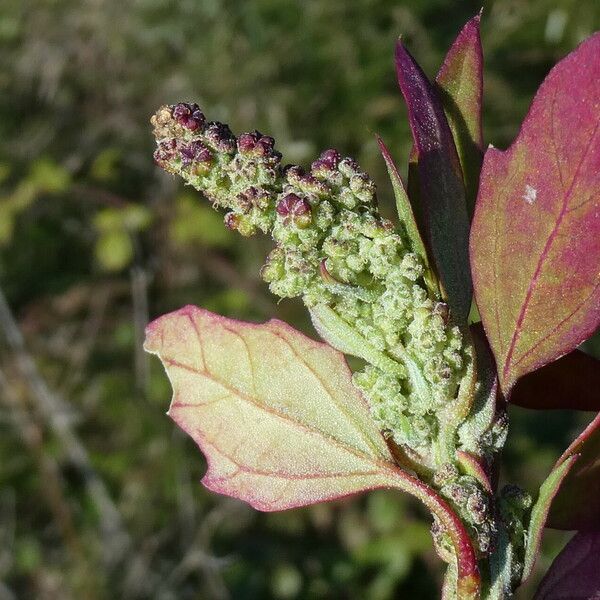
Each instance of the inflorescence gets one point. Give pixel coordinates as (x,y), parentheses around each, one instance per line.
(332,247)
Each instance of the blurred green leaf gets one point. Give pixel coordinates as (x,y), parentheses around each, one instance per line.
(196,222)
(114,250)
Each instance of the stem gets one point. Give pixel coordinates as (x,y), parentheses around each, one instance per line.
(468,582)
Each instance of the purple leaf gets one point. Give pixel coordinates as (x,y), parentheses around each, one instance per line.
(575,573)
(577,504)
(535,240)
(571,382)
(444,217)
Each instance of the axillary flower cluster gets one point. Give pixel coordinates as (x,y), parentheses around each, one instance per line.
(356,269)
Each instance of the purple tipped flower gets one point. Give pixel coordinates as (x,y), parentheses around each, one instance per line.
(189,116)
(293,173)
(255,143)
(247,141)
(264,145)
(220,137)
(195,152)
(295,209)
(232,221)
(328,161)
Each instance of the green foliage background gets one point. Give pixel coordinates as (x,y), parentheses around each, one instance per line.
(95,240)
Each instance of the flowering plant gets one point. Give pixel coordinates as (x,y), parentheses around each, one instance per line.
(283,421)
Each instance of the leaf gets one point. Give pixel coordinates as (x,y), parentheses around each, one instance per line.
(571,382)
(460,84)
(279,420)
(577,504)
(575,573)
(539,513)
(345,338)
(535,240)
(403,206)
(486,406)
(441,189)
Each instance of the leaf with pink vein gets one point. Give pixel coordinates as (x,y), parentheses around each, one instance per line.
(460,84)
(535,240)
(279,420)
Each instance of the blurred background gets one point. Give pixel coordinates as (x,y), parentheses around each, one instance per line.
(99,493)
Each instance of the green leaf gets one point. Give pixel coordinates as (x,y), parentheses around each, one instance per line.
(279,420)
(343,337)
(443,216)
(539,514)
(403,206)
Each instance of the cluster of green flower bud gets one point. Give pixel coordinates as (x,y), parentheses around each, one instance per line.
(334,248)
(471,502)
(515,508)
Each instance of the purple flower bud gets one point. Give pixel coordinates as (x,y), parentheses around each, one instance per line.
(331,158)
(294,208)
(255,143)
(244,203)
(253,197)
(259,197)
(165,152)
(293,173)
(247,141)
(189,116)
(264,146)
(349,167)
(320,166)
(312,185)
(195,152)
(477,506)
(457,493)
(220,137)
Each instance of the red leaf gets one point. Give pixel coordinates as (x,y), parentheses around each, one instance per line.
(575,573)
(577,504)
(535,240)
(460,83)
(442,193)
(571,382)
